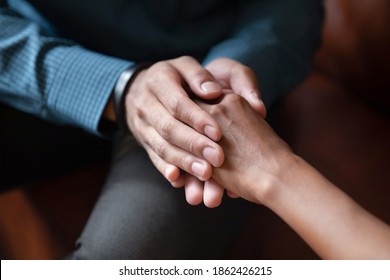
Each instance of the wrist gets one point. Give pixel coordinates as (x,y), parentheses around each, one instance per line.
(300,184)
(277,186)
(120,90)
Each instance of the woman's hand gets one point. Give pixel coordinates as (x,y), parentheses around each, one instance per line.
(255,157)
(241,80)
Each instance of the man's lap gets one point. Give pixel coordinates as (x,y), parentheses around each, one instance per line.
(138,214)
(141,216)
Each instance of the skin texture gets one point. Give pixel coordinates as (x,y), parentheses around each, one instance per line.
(240,80)
(249,141)
(260,167)
(180,137)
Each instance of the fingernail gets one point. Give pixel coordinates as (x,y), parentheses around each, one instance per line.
(199,169)
(211,155)
(208,87)
(211,132)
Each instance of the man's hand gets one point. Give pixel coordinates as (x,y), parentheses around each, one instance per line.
(176,132)
(239,79)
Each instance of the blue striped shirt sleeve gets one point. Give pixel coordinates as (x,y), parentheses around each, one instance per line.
(51,77)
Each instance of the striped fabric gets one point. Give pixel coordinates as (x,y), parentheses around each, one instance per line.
(51,77)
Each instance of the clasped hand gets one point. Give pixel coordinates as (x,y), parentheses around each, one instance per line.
(179,136)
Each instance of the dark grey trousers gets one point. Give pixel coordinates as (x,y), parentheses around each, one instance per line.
(138,214)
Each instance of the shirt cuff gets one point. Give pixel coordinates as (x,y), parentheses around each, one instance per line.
(81,85)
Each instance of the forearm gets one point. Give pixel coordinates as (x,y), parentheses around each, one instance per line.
(331,223)
(261,168)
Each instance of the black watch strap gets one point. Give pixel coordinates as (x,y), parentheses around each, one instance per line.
(120,90)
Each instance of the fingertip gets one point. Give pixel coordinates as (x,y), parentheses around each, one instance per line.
(212,194)
(193,197)
(222,157)
(176,185)
(193,189)
(213,132)
(255,102)
(261,109)
(232,194)
(201,170)
(212,202)
(214,155)
(179,182)
(172,173)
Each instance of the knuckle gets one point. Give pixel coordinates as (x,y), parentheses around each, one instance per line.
(191,145)
(247,71)
(174,106)
(158,74)
(156,67)
(192,117)
(198,73)
(138,109)
(152,81)
(147,142)
(230,102)
(234,102)
(186,162)
(201,75)
(232,99)
(219,109)
(196,118)
(187,58)
(166,128)
(160,149)
(243,69)
(139,112)
(195,145)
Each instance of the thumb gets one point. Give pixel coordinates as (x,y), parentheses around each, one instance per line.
(240,79)
(244,83)
(201,82)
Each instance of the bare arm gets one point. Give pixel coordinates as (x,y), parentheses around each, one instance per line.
(334,225)
(260,167)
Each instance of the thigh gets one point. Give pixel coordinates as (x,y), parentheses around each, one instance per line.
(32,149)
(140,216)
